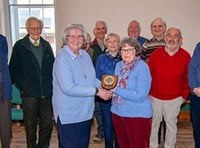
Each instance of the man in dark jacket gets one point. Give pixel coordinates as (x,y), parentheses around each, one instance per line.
(100,30)
(5,95)
(31,70)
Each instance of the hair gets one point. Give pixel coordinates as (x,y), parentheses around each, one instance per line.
(131,42)
(33,18)
(130,24)
(100,21)
(111,35)
(69,27)
(134,21)
(176,28)
(158,18)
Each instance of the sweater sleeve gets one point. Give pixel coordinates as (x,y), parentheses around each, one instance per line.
(186,84)
(14,67)
(194,71)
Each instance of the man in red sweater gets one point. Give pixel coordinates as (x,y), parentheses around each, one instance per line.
(169,71)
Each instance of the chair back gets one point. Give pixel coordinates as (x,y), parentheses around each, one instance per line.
(16,111)
(16,98)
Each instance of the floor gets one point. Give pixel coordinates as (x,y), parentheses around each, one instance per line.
(184,136)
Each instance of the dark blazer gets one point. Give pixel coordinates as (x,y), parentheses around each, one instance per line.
(26,73)
(97,50)
(7,85)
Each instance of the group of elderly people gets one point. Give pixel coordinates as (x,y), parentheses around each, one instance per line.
(152,84)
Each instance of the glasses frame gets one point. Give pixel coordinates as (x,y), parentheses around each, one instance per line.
(74,37)
(127,50)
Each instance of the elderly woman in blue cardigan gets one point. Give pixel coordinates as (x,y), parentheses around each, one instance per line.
(131,107)
(74,88)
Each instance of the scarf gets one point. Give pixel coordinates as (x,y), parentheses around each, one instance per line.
(125,71)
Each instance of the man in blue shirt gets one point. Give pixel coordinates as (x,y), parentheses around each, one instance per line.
(134,31)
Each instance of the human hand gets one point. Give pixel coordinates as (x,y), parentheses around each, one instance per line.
(112,90)
(150,97)
(104,94)
(197,91)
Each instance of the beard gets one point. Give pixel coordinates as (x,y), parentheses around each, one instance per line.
(172,45)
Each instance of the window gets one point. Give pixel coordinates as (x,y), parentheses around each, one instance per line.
(20,10)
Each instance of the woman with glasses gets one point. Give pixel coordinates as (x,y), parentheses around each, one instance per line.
(131,107)
(74,88)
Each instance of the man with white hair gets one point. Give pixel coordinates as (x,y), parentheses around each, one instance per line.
(169,89)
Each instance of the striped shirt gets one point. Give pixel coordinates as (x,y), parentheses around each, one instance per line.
(149,46)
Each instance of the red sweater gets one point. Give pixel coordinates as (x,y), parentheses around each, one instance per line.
(169,74)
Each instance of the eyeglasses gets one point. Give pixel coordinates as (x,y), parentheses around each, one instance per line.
(35,28)
(79,37)
(127,50)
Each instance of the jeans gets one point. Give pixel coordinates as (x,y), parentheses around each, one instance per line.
(195,108)
(107,123)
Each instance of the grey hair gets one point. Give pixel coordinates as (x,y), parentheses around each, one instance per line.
(158,18)
(176,28)
(100,21)
(33,18)
(69,27)
(131,42)
(111,35)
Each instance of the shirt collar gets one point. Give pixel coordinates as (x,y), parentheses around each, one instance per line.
(101,44)
(116,57)
(73,56)
(161,40)
(33,41)
(174,52)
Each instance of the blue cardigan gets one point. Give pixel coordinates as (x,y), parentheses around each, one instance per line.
(136,102)
(7,85)
(194,68)
(74,86)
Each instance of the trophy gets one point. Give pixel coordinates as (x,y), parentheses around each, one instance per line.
(109,81)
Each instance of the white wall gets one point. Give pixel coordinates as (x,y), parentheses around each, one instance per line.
(118,13)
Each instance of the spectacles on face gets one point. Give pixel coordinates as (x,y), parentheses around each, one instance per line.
(35,28)
(176,36)
(79,37)
(127,50)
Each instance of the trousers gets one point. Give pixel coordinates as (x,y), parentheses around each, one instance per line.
(5,121)
(169,110)
(37,110)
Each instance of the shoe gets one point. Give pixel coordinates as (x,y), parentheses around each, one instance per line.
(98,138)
